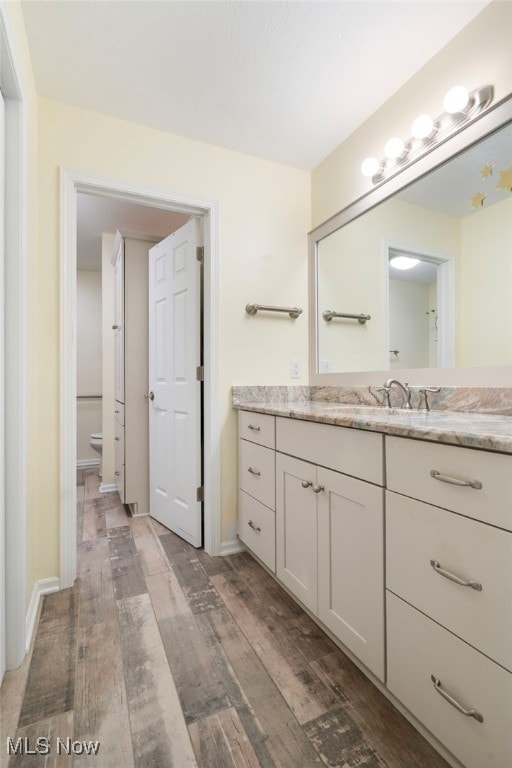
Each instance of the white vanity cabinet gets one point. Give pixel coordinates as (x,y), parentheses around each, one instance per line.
(130,259)
(437,631)
(449,594)
(330,530)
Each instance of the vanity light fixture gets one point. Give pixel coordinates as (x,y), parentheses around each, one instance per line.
(403,262)
(460,106)
(423,127)
(394,148)
(456,100)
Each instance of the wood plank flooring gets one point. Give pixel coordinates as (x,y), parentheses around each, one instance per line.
(172,659)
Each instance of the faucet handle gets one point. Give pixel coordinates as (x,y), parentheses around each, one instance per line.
(385,400)
(423,403)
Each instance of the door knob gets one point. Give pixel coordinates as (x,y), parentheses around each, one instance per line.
(150,396)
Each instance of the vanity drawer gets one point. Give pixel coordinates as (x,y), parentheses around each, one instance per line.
(257,427)
(257,472)
(417,533)
(119,412)
(257,528)
(409,465)
(351,451)
(418,648)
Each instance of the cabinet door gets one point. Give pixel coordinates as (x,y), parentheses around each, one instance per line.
(296,528)
(351,565)
(119,324)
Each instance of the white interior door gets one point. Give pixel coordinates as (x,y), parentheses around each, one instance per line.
(175,393)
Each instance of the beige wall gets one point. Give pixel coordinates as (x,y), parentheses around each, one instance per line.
(264,218)
(481,54)
(485,282)
(89,360)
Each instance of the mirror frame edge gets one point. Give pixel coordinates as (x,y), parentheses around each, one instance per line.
(501,375)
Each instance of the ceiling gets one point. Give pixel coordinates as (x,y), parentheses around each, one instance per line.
(286,80)
(450,188)
(96,215)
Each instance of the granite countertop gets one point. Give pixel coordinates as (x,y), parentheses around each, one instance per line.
(491,432)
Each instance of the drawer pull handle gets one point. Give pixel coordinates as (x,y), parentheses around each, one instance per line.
(318,488)
(254,428)
(455,480)
(116,474)
(463,582)
(254,527)
(306,483)
(468,712)
(254,472)
(117,439)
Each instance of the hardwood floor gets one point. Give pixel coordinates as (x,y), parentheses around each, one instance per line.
(172,659)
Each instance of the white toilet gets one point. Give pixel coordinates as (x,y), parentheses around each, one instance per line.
(96,442)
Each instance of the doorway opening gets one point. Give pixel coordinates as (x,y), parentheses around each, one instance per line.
(418,308)
(73,184)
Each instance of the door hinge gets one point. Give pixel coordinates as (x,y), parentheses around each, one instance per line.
(200,253)
(200,493)
(200,373)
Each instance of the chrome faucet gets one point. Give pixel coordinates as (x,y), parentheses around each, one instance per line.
(404,388)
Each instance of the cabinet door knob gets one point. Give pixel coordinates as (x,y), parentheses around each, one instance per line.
(116,327)
(253,526)
(116,439)
(116,474)
(307,483)
(318,488)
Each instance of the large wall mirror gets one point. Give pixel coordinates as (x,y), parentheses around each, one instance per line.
(417,275)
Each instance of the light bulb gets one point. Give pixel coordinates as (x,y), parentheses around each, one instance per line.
(422,127)
(403,262)
(370,166)
(456,99)
(394,148)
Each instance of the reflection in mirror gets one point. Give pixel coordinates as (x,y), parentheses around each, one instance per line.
(454,307)
(413,315)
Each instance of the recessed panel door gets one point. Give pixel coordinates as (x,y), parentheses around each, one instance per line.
(174,391)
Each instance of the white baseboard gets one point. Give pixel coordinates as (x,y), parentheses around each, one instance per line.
(108,487)
(41,587)
(85,463)
(231,547)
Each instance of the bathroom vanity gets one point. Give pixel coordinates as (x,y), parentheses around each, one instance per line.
(394,530)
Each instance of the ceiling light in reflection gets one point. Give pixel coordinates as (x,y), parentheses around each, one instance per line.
(403,262)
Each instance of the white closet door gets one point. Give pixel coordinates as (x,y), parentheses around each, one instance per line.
(175,410)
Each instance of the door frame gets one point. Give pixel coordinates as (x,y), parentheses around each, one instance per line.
(71,182)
